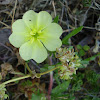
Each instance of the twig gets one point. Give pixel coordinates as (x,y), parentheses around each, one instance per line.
(35,64)
(54,7)
(4,58)
(62,13)
(89,27)
(85,15)
(45,4)
(6,47)
(33,3)
(14,11)
(5,24)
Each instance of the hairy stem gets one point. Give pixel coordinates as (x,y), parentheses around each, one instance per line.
(48,71)
(16,79)
(51,80)
(28,68)
(27,76)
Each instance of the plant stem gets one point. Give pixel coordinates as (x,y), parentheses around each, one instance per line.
(48,71)
(27,76)
(51,80)
(16,79)
(14,11)
(28,68)
(50,85)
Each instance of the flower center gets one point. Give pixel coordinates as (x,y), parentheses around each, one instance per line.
(34,34)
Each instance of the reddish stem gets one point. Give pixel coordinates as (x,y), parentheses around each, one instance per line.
(50,85)
(51,81)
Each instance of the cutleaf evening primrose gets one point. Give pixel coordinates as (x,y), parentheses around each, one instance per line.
(35,33)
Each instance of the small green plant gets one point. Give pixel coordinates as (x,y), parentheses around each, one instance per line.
(86,3)
(3,94)
(82,50)
(38,96)
(69,62)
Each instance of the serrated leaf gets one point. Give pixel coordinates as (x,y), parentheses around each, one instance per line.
(61,88)
(57,79)
(74,32)
(39,96)
(77,86)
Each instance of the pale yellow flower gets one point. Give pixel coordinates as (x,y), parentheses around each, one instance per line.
(35,33)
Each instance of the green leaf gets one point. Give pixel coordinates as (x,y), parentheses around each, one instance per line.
(92,58)
(35,97)
(74,32)
(77,86)
(56,77)
(38,96)
(56,19)
(96,98)
(46,68)
(82,52)
(51,67)
(84,64)
(61,88)
(86,47)
(79,47)
(26,83)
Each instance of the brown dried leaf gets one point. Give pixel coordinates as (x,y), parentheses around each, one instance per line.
(5,69)
(20,60)
(29,89)
(16,52)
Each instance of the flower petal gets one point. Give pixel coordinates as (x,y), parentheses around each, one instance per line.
(53,29)
(50,42)
(44,19)
(34,51)
(30,18)
(17,39)
(19,27)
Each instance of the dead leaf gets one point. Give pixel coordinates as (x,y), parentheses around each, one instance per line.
(28,88)
(5,69)
(16,52)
